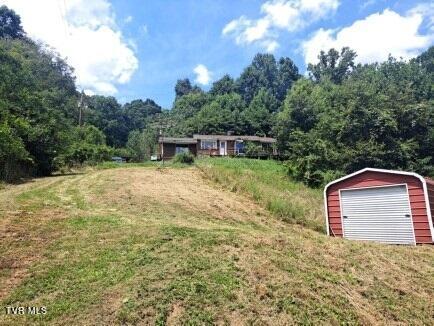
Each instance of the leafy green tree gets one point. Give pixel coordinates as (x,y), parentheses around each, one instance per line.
(265,73)
(86,146)
(184,112)
(253,149)
(142,144)
(258,117)
(301,106)
(106,114)
(224,85)
(286,76)
(89,134)
(426,60)
(188,105)
(13,154)
(333,65)
(379,115)
(139,113)
(213,119)
(220,115)
(183,87)
(262,73)
(10,24)
(38,99)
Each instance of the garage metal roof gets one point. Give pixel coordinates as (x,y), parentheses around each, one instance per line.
(232,137)
(175,140)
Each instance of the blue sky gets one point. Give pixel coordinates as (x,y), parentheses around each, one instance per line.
(183,34)
(138,49)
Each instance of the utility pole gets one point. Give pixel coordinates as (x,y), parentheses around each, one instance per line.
(162,144)
(162,125)
(80,109)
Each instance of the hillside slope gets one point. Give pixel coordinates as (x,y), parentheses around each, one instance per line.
(147,245)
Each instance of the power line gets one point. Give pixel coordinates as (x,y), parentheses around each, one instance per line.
(62,14)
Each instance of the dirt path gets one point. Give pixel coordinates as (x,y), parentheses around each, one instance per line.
(183,189)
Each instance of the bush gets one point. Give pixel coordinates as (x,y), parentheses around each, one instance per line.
(15,161)
(79,154)
(253,149)
(86,147)
(186,158)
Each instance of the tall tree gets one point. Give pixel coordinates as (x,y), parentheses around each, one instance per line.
(258,117)
(262,73)
(37,100)
(224,85)
(184,87)
(333,65)
(379,115)
(220,115)
(286,76)
(139,113)
(426,60)
(142,144)
(10,24)
(107,115)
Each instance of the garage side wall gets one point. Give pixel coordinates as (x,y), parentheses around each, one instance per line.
(168,150)
(430,187)
(372,179)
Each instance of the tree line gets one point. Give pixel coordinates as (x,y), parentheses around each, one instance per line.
(45,123)
(339,117)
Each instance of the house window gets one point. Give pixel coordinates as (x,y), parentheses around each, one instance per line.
(239,147)
(181,149)
(208,144)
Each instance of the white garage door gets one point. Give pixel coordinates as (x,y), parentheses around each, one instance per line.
(379,214)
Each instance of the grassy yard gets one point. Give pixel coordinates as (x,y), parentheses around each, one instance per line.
(226,242)
(267,183)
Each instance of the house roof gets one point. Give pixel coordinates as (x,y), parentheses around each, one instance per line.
(239,137)
(175,140)
(423,180)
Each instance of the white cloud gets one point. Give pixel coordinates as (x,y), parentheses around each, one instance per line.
(270,45)
(367,4)
(374,37)
(203,75)
(85,32)
(427,11)
(145,29)
(289,15)
(257,31)
(128,19)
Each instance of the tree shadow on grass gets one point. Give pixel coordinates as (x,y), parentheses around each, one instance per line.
(24,180)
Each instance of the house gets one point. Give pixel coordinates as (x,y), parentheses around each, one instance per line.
(217,145)
(170,146)
(381,205)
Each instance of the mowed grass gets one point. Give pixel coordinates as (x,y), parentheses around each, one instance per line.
(151,245)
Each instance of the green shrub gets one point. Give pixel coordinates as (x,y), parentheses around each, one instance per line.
(253,149)
(186,158)
(79,154)
(15,160)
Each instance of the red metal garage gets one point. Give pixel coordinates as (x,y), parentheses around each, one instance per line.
(381,205)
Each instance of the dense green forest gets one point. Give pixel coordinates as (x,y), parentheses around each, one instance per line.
(338,118)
